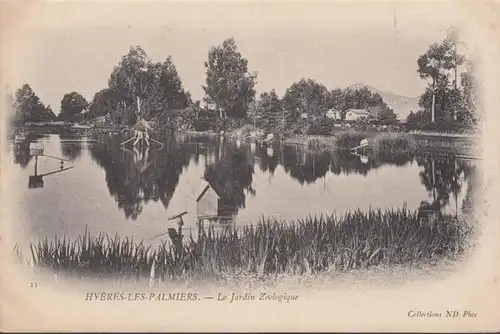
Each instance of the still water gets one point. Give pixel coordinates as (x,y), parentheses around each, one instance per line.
(111,189)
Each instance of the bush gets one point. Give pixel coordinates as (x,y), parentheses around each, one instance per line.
(394,143)
(349,139)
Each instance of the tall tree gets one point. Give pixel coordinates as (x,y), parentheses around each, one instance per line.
(469,113)
(440,60)
(146,89)
(72,104)
(229,85)
(131,79)
(305,96)
(103,103)
(166,92)
(29,108)
(267,112)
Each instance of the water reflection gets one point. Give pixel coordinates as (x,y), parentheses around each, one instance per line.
(36,180)
(136,177)
(231,176)
(21,153)
(71,146)
(444,179)
(21,150)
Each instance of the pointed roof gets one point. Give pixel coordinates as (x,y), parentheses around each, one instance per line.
(198,192)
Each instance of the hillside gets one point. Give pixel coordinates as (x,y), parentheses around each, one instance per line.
(402,105)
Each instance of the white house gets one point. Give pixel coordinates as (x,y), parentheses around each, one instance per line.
(204,201)
(354,114)
(303,115)
(333,114)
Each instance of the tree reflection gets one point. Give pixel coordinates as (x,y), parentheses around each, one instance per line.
(303,165)
(71,146)
(231,177)
(267,162)
(444,178)
(22,155)
(135,177)
(21,150)
(306,166)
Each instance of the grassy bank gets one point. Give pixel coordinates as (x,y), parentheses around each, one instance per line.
(388,142)
(312,245)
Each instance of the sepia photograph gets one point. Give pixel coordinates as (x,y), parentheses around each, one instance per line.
(242,166)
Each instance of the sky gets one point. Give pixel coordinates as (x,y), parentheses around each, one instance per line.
(62,47)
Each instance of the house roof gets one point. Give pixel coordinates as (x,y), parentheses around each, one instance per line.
(333,110)
(198,192)
(359,111)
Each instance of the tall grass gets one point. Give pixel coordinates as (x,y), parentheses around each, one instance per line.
(320,143)
(349,139)
(309,245)
(400,143)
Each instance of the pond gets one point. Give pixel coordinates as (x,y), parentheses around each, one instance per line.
(108,188)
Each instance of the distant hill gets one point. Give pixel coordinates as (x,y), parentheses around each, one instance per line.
(402,105)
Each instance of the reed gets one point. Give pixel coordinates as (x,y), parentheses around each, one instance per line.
(310,245)
(349,139)
(316,143)
(400,143)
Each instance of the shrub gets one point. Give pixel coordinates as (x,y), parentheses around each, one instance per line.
(349,139)
(400,143)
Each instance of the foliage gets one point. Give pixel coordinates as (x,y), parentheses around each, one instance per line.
(392,143)
(305,97)
(311,245)
(105,103)
(454,100)
(72,104)
(320,143)
(469,114)
(229,87)
(313,99)
(191,115)
(267,112)
(349,139)
(140,88)
(28,107)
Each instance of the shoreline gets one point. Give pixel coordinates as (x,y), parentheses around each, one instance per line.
(269,248)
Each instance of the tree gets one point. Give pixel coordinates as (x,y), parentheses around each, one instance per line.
(305,96)
(417,120)
(469,100)
(146,89)
(436,64)
(166,93)
(29,108)
(72,104)
(382,114)
(229,85)
(104,102)
(267,112)
(131,79)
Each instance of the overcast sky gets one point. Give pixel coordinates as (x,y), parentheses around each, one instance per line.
(58,48)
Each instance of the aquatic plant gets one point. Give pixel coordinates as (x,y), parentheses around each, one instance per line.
(349,139)
(310,245)
(320,142)
(389,142)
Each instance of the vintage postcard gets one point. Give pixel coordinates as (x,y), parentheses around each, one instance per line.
(250,166)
